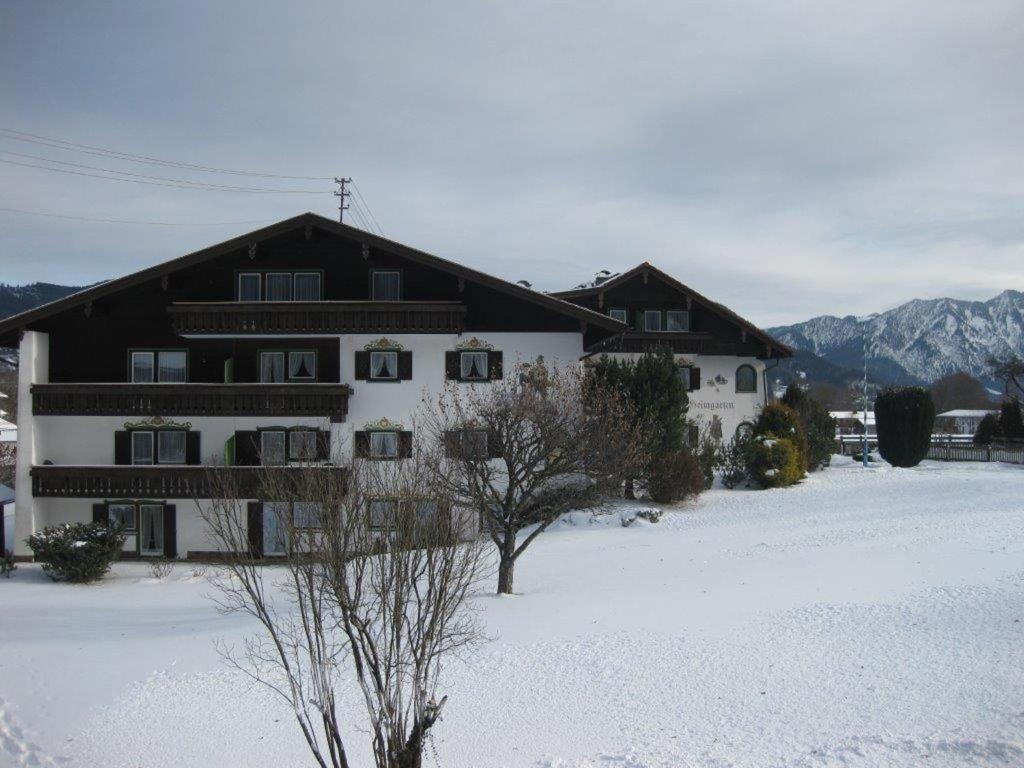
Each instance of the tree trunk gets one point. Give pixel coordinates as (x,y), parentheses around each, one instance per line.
(629,491)
(507,564)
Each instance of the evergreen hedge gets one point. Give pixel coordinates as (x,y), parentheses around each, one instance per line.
(818,425)
(1011,425)
(76,552)
(904,417)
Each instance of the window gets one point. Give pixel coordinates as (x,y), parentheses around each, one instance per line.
(383,514)
(652,320)
(121,516)
(249,286)
(385,285)
(383,445)
(618,314)
(143,369)
(275,528)
(171,446)
(279,286)
(271,367)
(677,320)
(473,366)
(746,379)
(302,364)
(142,447)
(151,529)
(474,443)
(383,365)
(302,445)
(272,443)
(306,514)
(307,286)
(171,365)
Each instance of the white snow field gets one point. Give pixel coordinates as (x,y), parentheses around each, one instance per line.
(864,618)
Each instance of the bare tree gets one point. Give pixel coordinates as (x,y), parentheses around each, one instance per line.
(1010,370)
(523,450)
(959,390)
(371,595)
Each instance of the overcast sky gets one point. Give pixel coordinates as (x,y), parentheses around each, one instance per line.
(786,159)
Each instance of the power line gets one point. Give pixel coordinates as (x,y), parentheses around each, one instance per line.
(362,199)
(162,182)
(88,149)
(133,221)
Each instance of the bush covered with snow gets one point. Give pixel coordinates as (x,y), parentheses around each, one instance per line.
(818,426)
(675,476)
(904,417)
(774,462)
(779,420)
(76,552)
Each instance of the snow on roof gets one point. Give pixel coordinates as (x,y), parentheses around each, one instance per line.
(8,432)
(966,413)
(858,415)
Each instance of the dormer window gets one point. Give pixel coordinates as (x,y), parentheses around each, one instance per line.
(383,366)
(385,285)
(473,366)
(618,314)
(652,320)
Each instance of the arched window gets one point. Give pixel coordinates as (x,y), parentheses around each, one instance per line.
(746,379)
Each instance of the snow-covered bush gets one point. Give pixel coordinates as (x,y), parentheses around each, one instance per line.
(779,420)
(674,477)
(76,552)
(774,462)
(818,426)
(904,417)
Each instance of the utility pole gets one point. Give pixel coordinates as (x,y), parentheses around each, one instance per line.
(342,194)
(864,451)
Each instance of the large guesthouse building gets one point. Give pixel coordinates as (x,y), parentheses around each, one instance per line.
(302,344)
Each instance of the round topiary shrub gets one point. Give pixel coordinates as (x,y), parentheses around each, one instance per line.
(76,552)
(904,417)
(780,420)
(774,462)
(988,430)
(675,476)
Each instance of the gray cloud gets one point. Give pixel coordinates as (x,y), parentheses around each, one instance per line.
(788,159)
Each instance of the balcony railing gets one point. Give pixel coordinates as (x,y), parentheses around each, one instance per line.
(678,341)
(191,400)
(316,317)
(153,482)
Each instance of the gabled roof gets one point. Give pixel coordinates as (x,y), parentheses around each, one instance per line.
(10,327)
(649,268)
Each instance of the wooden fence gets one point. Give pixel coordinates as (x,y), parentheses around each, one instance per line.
(945,448)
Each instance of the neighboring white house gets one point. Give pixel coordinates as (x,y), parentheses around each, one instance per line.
(852,422)
(8,432)
(960,421)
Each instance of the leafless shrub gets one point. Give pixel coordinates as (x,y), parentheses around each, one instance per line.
(161,567)
(371,593)
(199,571)
(524,450)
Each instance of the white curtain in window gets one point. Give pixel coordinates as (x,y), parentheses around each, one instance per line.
(474,365)
(275,528)
(151,529)
(272,447)
(272,367)
(171,446)
(677,320)
(122,515)
(301,365)
(142,447)
(382,513)
(249,286)
(384,444)
(383,365)
(142,367)
(386,286)
(307,286)
(279,286)
(307,514)
(302,445)
(171,365)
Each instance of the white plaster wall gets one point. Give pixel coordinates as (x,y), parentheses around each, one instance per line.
(33,367)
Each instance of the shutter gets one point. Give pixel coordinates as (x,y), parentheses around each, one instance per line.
(247,449)
(404,366)
(405,445)
(170,531)
(122,447)
(362,444)
(362,366)
(229,371)
(323,444)
(192,452)
(494,365)
(694,379)
(452,443)
(493,445)
(452,366)
(255,525)
(100,514)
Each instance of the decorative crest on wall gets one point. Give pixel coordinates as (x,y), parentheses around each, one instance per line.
(384,424)
(474,344)
(384,344)
(157,422)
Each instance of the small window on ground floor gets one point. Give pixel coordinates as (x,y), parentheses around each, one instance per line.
(151,530)
(473,366)
(383,445)
(383,514)
(121,516)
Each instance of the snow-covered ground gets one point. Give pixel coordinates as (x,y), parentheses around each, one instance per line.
(864,618)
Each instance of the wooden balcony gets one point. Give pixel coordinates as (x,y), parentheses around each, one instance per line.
(152,482)
(316,317)
(679,342)
(191,400)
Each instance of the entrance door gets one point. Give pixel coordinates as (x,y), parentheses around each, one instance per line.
(275,532)
(151,530)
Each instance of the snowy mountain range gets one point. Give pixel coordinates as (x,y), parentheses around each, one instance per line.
(917,342)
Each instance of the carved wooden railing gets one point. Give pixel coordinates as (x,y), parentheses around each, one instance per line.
(153,482)
(191,400)
(315,317)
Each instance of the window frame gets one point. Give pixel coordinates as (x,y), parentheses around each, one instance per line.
(685,313)
(462,366)
(394,512)
(318,523)
(386,271)
(288,365)
(283,353)
(625,314)
(158,453)
(278,273)
(395,367)
(259,286)
(753,371)
(284,447)
(160,529)
(371,454)
(152,365)
(301,431)
(656,313)
(133,506)
(319,283)
(135,433)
